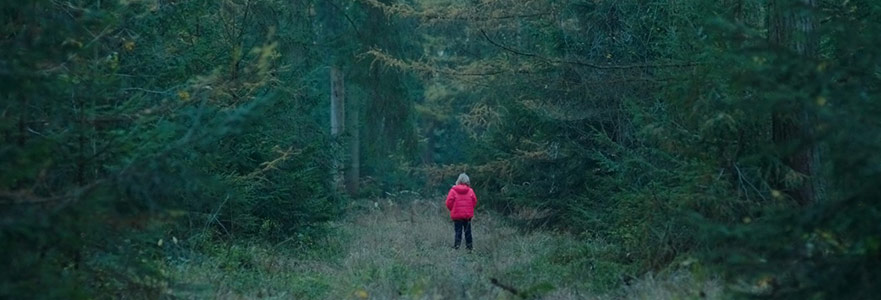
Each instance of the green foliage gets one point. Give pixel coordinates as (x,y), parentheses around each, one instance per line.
(739,135)
(131,126)
(672,129)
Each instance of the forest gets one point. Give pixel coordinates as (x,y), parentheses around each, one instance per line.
(302,149)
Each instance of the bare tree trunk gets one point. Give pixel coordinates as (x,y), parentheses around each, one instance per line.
(791,123)
(428,152)
(337,120)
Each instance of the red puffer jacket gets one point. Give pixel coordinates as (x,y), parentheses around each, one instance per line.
(461,202)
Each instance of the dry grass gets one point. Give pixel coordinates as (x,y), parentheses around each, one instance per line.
(384,250)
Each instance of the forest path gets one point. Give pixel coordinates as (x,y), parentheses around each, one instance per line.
(405,251)
(388,250)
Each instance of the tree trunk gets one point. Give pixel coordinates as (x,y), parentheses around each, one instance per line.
(793,28)
(354,174)
(428,152)
(337,120)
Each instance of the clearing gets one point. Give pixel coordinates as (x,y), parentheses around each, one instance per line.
(387,250)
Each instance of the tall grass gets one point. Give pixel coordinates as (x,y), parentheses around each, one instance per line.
(391,250)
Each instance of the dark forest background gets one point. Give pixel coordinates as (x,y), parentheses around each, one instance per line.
(737,136)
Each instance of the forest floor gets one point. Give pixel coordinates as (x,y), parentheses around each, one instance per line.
(384,250)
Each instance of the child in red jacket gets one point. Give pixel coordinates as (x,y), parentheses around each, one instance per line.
(461,202)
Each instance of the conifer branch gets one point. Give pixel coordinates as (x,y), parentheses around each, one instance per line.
(582,63)
(446,15)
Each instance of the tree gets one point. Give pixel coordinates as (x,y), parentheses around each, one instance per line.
(337,118)
(791,26)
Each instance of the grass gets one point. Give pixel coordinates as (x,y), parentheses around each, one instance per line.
(385,250)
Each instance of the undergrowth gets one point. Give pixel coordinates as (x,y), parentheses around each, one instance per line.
(386,249)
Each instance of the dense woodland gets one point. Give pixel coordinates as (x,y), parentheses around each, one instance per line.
(735,140)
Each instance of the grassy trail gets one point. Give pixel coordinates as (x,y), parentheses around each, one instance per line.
(389,251)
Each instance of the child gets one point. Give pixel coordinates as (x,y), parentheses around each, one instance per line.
(461,202)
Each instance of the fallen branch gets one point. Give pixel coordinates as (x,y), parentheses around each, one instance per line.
(508,288)
(28,196)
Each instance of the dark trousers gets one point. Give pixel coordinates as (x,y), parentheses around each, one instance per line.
(460,226)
